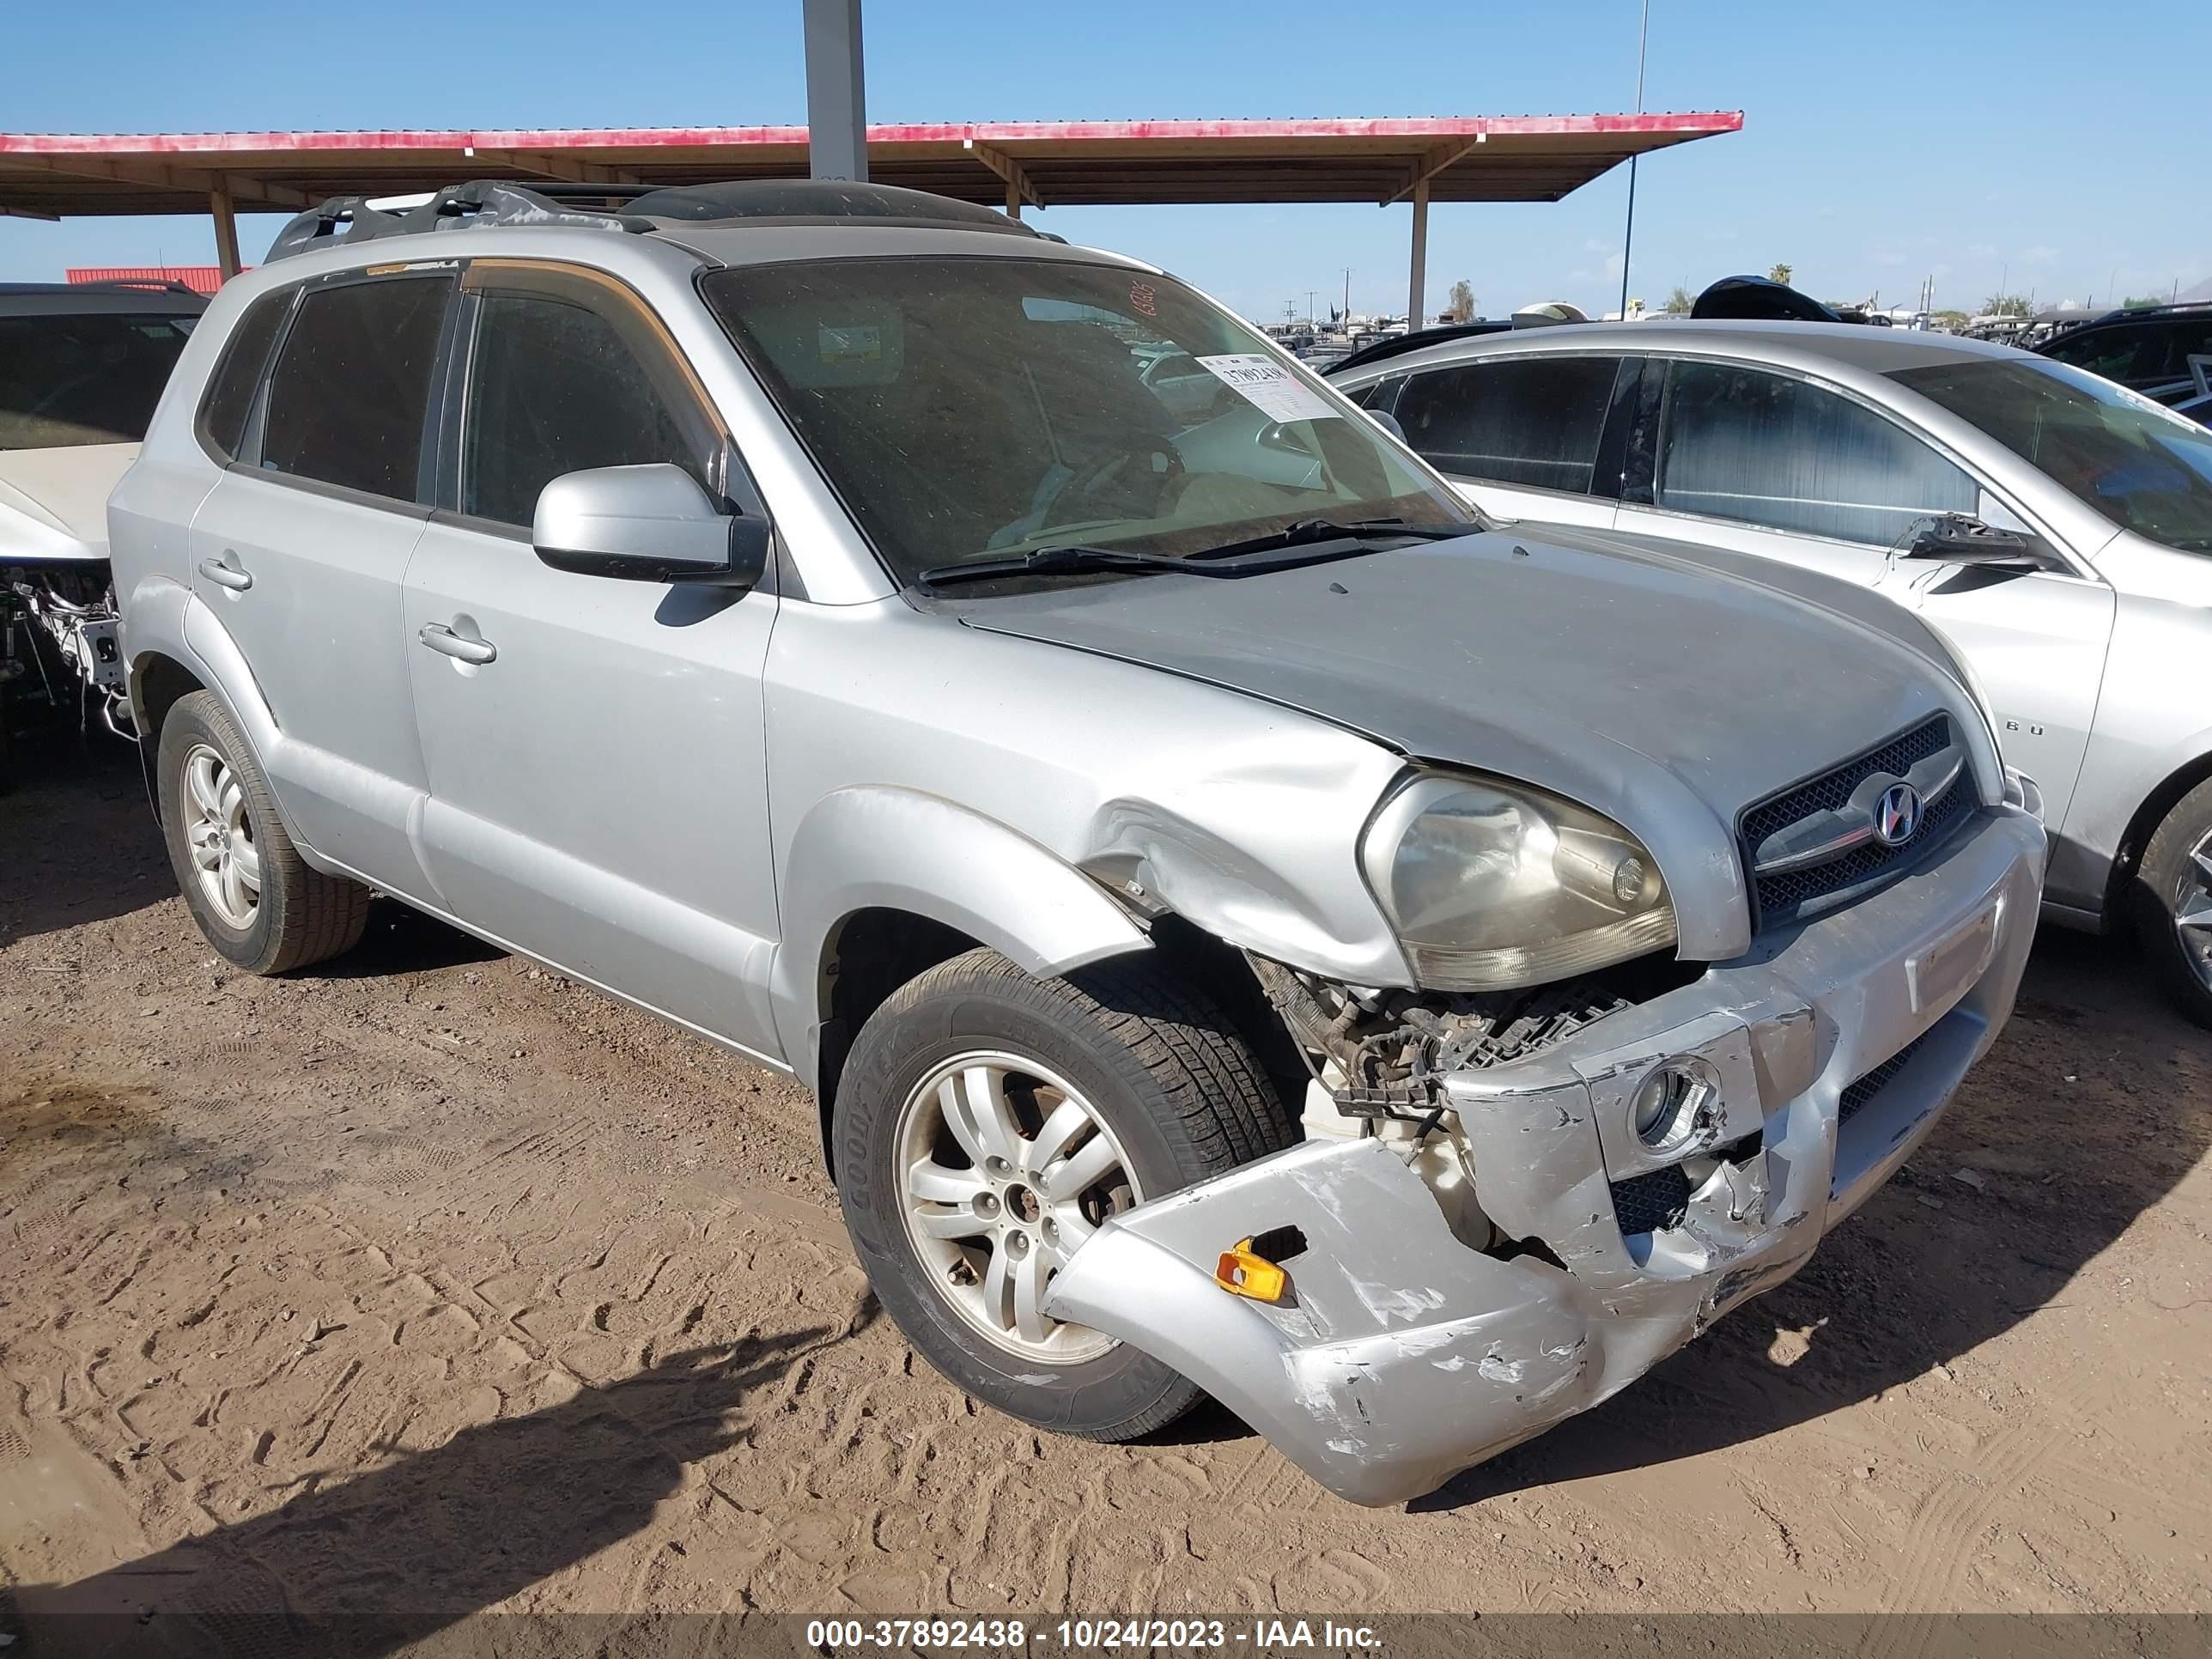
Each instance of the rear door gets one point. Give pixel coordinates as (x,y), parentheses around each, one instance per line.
(1518,435)
(301,549)
(596,754)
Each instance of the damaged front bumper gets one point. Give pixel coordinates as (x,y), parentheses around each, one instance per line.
(1399,1356)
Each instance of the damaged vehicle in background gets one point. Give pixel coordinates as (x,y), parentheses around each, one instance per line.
(82,366)
(1252,928)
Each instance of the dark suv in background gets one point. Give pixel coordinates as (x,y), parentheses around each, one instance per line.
(2162,351)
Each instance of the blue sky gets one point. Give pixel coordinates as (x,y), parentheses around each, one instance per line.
(1961,140)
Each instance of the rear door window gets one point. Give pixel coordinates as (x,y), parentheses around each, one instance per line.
(1761,448)
(349,398)
(1534,421)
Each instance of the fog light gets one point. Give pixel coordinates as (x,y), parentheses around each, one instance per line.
(1669,1101)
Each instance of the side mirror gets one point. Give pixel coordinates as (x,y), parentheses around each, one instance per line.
(1388,422)
(647,524)
(1957,539)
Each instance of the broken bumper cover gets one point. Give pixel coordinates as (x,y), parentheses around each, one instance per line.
(1400,1356)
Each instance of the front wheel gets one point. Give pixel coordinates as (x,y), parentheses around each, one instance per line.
(989,1122)
(2174,892)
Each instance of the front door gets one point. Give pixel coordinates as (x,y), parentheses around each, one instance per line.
(300,552)
(596,754)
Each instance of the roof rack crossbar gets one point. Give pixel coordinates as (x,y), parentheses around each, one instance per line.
(352,219)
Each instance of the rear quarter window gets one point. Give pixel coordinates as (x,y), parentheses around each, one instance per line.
(228,402)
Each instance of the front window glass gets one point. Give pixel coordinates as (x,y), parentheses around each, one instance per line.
(2146,469)
(554,388)
(971,408)
(1764,449)
(65,382)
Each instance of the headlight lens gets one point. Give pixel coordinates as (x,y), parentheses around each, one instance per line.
(1493,886)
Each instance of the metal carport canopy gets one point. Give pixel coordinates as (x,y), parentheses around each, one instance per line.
(1476,158)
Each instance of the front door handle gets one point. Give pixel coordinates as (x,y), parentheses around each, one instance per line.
(224,574)
(439,638)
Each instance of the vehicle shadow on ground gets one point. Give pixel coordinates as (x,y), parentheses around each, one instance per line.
(372,1564)
(2096,1100)
(78,839)
(401,939)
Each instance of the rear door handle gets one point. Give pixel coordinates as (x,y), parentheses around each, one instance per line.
(439,638)
(224,575)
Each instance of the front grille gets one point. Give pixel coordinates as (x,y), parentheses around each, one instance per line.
(1651,1202)
(1857,1094)
(1788,894)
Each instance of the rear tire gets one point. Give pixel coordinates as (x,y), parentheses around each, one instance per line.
(2173,904)
(259,903)
(1172,1096)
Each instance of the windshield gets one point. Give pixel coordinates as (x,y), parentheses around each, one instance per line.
(981,408)
(2143,467)
(66,380)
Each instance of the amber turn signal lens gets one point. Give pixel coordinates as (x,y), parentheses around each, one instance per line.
(1243,1273)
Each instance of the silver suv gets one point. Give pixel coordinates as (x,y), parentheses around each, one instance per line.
(1251,928)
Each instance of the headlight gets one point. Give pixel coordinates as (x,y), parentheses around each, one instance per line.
(1494,885)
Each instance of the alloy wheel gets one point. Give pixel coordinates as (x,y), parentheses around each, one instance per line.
(2192,910)
(1005,1171)
(219,835)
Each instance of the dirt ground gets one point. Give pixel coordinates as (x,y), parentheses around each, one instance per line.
(429,1282)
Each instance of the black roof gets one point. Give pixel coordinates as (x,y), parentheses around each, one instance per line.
(1397,344)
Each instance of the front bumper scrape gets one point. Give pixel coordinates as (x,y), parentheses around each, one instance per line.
(1426,1348)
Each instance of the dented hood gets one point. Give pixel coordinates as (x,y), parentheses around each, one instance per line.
(53,502)
(1625,674)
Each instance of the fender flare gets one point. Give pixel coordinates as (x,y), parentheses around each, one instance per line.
(871,847)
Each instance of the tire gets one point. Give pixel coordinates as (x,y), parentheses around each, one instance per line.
(299,915)
(1162,1075)
(2174,874)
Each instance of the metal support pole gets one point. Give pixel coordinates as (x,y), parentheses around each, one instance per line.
(226,230)
(836,108)
(1420,255)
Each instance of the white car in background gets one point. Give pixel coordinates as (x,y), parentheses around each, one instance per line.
(82,367)
(2056,525)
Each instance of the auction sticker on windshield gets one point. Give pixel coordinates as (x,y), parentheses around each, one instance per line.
(1269,387)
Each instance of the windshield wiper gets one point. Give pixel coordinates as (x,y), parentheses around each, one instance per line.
(1077,559)
(1307,531)
(1069,561)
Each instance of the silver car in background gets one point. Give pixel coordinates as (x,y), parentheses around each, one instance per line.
(1252,929)
(2056,527)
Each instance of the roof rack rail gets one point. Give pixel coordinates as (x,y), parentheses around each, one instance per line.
(480,202)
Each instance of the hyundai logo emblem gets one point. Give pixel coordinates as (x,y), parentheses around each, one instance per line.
(1897,815)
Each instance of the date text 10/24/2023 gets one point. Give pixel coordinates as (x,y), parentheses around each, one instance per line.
(1014,1635)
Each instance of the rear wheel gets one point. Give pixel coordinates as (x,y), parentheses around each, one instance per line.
(2173,892)
(258,902)
(987,1122)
